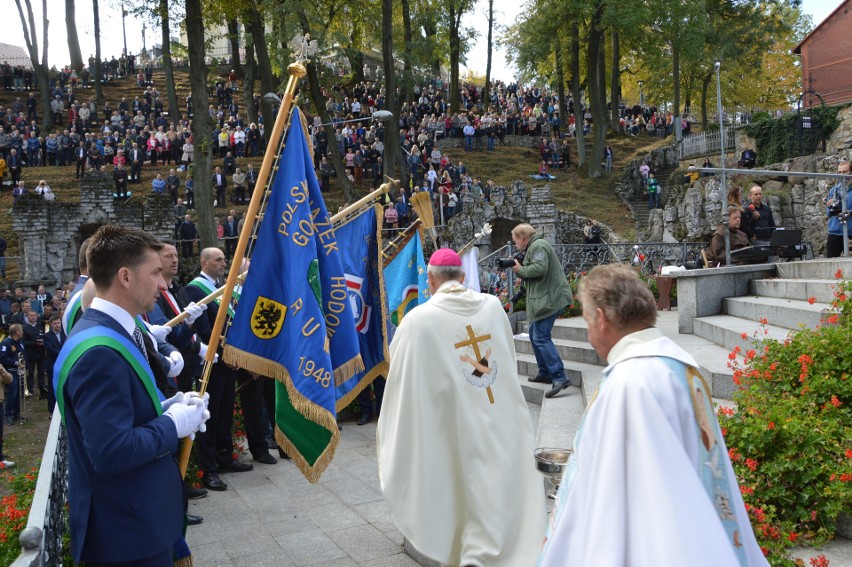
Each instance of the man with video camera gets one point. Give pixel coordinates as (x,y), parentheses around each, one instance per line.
(548,293)
(834,208)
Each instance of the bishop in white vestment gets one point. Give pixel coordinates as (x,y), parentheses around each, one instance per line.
(455,441)
(650,481)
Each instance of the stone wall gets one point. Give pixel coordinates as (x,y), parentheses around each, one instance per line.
(50,233)
(507,208)
(841,139)
(693,212)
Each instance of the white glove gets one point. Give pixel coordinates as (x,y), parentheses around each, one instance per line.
(197,400)
(194,310)
(176,360)
(187,418)
(176,399)
(202,353)
(191,398)
(160,332)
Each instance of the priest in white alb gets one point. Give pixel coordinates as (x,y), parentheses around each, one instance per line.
(650,482)
(455,440)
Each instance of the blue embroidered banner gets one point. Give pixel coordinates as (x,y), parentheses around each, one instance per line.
(294,321)
(366,287)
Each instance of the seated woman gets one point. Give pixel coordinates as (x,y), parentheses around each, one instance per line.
(543,171)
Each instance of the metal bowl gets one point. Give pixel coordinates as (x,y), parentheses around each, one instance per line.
(551,461)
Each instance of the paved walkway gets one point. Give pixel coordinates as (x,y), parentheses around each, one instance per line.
(272,516)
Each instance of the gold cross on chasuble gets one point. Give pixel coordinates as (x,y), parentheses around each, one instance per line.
(473,341)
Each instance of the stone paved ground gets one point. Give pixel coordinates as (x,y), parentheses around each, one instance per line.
(272,516)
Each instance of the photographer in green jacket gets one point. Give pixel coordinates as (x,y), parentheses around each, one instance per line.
(548,293)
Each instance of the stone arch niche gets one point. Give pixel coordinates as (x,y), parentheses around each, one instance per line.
(50,233)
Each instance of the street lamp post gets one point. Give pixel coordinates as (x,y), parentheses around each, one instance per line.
(641,95)
(723,189)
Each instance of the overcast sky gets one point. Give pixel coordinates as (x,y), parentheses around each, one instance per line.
(112,40)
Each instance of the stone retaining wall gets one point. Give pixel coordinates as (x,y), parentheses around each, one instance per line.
(50,233)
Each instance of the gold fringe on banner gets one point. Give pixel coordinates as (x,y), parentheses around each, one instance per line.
(307,408)
(185,562)
(381,369)
(348,369)
(319,416)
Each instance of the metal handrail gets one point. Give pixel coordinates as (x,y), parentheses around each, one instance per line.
(47,524)
(648,257)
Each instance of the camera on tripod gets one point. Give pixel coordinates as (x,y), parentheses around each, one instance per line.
(507,263)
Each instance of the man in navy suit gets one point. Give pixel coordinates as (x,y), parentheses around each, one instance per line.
(214,449)
(125,497)
(54,340)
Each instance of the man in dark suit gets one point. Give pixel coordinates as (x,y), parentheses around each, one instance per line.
(34,350)
(136,158)
(231,236)
(220,185)
(187,233)
(125,495)
(80,154)
(54,340)
(214,448)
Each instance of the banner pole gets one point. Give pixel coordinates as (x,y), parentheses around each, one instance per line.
(297,71)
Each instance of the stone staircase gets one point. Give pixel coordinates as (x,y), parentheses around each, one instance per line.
(776,307)
(640,203)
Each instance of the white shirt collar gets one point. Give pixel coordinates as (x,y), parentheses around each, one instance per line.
(121,316)
(209,278)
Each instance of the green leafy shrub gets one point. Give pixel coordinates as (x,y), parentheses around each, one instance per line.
(778,139)
(790,438)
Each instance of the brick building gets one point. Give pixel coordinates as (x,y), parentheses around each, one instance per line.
(826,55)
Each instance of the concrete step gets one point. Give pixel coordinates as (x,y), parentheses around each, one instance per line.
(575,371)
(727,331)
(572,329)
(560,419)
(821,290)
(821,269)
(788,313)
(574,351)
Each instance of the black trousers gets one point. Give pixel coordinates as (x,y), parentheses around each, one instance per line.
(215,446)
(834,245)
(251,400)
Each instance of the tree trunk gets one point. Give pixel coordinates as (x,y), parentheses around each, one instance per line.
(392,158)
(73,40)
(171,91)
(319,102)
(705,85)
(455,56)
(40,69)
(676,80)
(202,125)
(597,93)
(430,29)
(267,81)
(576,94)
(407,79)
(99,95)
(234,39)
(248,80)
(486,92)
(43,72)
(356,63)
(560,85)
(615,82)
